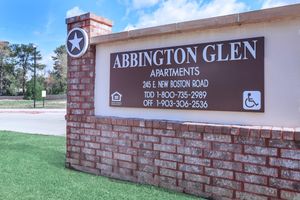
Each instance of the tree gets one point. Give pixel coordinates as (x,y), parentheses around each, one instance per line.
(57,80)
(6,69)
(23,56)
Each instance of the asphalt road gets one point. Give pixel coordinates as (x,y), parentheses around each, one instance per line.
(39,121)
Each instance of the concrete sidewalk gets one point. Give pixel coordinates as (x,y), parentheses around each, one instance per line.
(33,111)
(37,121)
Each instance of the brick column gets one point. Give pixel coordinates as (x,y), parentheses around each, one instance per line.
(81,79)
(81,71)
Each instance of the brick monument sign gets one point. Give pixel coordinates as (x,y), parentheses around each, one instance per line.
(208,107)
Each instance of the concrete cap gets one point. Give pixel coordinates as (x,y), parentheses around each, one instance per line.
(259,16)
(89,16)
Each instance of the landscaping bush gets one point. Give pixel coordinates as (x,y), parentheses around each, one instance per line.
(30,89)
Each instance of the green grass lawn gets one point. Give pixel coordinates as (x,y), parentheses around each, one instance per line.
(32,167)
(5,104)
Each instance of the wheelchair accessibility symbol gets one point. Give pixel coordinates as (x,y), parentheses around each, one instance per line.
(251,100)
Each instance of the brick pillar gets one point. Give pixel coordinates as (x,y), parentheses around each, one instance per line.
(81,71)
(81,78)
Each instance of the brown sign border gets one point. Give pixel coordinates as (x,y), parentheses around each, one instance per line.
(260,48)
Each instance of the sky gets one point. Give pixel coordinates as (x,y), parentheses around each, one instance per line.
(42,22)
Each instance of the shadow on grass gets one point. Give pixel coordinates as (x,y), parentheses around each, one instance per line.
(52,157)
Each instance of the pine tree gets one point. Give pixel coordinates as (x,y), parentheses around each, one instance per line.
(23,56)
(59,73)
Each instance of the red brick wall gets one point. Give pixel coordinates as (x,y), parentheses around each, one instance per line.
(223,162)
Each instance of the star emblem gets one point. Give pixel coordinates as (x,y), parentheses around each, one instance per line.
(75,42)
